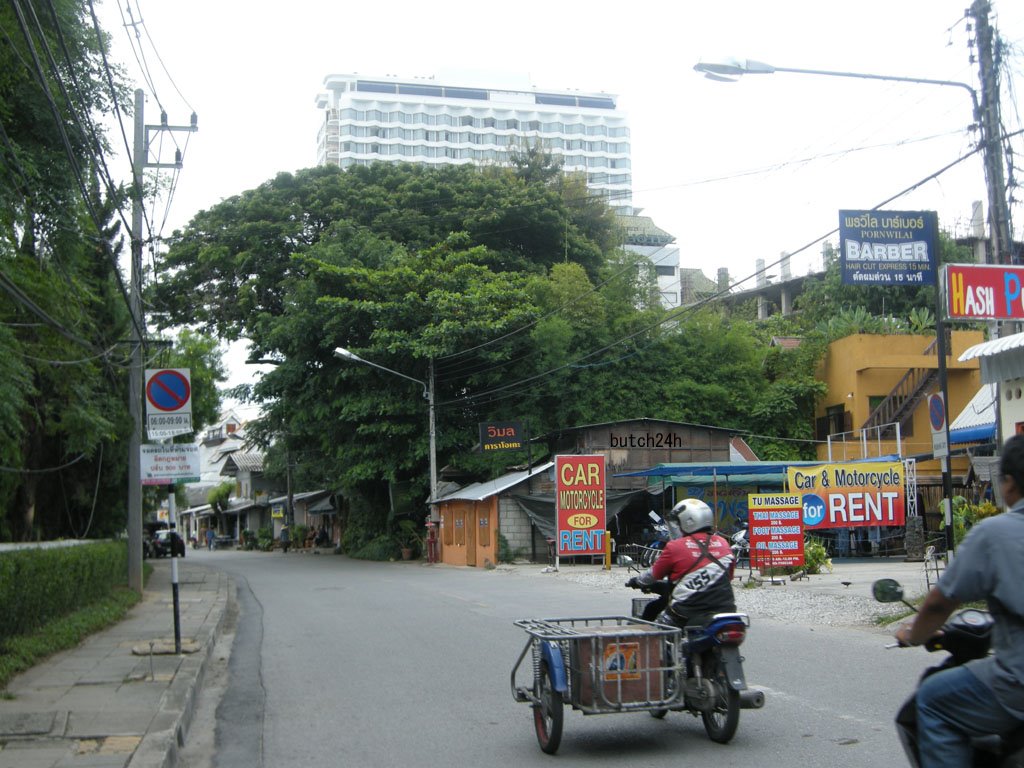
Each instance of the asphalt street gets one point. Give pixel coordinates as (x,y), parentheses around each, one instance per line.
(381,664)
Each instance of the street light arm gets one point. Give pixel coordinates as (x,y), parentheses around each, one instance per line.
(730,68)
(344,354)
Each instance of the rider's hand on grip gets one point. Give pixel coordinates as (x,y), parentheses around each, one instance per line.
(633,583)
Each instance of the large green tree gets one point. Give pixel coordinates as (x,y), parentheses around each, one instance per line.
(503,286)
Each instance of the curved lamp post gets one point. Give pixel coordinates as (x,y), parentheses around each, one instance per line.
(729,70)
(428,395)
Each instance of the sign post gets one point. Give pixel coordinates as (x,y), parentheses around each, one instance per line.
(169,413)
(937,420)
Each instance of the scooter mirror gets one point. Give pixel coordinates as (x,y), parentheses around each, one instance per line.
(887,591)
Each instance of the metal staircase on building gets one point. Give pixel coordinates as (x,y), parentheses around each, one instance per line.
(904,398)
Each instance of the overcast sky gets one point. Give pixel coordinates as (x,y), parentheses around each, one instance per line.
(735,171)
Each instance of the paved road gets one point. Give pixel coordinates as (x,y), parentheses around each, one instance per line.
(341,662)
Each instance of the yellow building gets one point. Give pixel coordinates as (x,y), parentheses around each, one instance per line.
(876,381)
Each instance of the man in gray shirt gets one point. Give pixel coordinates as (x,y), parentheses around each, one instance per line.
(984,696)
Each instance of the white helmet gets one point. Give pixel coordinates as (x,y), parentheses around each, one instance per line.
(693,515)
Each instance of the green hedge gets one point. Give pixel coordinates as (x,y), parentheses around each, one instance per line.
(40,585)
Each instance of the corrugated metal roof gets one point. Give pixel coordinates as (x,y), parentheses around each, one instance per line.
(1000,358)
(481,491)
(993,347)
(251,462)
(981,411)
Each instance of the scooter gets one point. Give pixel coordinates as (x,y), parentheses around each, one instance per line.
(967,635)
(714,685)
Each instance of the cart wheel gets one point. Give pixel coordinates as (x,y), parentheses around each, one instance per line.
(547,713)
(658,714)
(721,722)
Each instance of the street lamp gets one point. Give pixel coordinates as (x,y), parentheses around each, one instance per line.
(428,395)
(730,69)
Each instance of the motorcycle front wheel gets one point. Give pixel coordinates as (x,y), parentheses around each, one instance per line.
(722,721)
(547,712)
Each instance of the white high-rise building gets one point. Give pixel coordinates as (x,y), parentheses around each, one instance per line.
(387,118)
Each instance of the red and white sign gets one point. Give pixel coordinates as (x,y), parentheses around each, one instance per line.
(580,505)
(775,529)
(984,292)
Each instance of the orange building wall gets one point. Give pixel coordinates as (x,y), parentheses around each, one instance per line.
(865,365)
(469,532)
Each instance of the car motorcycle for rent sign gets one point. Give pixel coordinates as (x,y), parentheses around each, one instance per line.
(850,495)
(580,505)
(888,247)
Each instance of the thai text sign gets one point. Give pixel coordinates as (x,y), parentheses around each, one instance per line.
(888,247)
(850,495)
(167,464)
(501,436)
(776,529)
(989,292)
(580,505)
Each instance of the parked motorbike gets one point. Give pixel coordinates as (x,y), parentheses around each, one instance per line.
(741,546)
(714,685)
(966,635)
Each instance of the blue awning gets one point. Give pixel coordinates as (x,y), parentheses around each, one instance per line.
(978,434)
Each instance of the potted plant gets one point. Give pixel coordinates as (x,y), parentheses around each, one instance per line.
(408,538)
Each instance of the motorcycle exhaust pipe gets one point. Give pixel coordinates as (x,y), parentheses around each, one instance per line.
(750,699)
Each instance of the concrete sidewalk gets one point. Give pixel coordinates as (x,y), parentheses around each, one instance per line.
(122,697)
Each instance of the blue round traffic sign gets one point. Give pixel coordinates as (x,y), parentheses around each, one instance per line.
(936,412)
(168,390)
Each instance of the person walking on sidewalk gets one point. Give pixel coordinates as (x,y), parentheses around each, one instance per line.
(209,539)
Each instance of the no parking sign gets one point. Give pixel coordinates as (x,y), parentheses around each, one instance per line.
(168,402)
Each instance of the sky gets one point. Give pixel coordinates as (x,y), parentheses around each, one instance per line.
(735,171)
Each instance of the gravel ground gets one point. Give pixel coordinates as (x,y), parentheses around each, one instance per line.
(818,601)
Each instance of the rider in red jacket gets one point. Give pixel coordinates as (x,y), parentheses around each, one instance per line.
(700,564)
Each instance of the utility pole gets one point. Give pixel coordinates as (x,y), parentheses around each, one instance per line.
(140,161)
(991,134)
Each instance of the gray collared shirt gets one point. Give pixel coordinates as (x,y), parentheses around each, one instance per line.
(989,566)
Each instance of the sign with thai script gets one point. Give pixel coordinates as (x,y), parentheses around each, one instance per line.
(985,292)
(501,436)
(888,247)
(776,529)
(580,505)
(167,464)
(850,495)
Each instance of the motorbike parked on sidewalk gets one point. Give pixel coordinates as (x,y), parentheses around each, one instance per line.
(714,684)
(965,636)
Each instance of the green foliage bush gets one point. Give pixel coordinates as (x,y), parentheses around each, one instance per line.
(505,554)
(18,654)
(966,514)
(382,547)
(265,539)
(40,585)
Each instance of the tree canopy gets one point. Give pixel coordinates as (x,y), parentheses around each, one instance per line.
(506,285)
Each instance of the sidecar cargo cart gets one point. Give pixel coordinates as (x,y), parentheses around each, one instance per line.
(599,665)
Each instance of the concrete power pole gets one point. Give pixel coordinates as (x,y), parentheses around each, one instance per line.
(991,134)
(140,161)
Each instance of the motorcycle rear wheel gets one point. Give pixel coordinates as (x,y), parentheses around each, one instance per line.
(722,721)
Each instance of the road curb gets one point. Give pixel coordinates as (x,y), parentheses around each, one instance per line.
(167,733)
